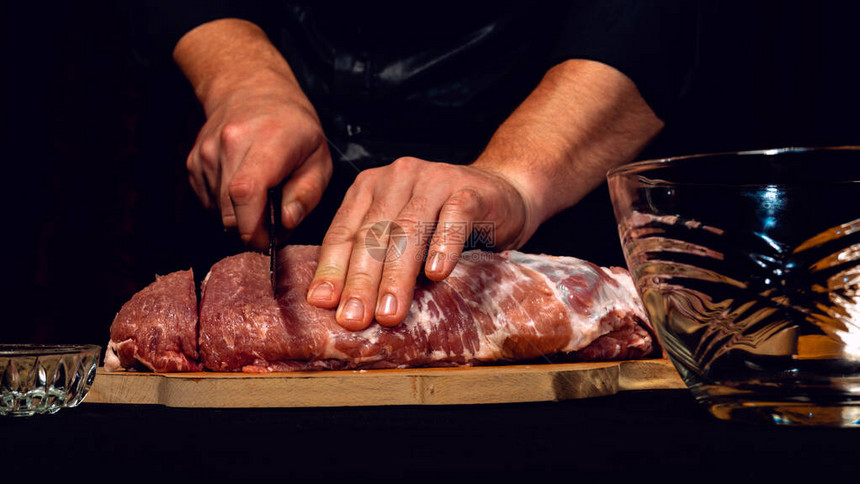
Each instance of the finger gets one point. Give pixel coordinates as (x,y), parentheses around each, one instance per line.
(328,282)
(203,165)
(223,188)
(357,304)
(392,190)
(247,195)
(373,247)
(368,258)
(404,260)
(305,187)
(196,178)
(455,225)
(263,166)
(232,150)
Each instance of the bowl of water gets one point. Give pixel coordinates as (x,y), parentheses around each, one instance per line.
(748,264)
(42,379)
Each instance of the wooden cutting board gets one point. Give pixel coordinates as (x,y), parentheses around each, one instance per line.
(424,386)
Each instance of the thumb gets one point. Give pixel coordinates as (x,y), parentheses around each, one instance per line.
(304,189)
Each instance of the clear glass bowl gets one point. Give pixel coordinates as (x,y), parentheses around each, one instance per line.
(749,266)
(36,379)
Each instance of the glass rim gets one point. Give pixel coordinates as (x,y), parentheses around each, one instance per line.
(643,166)
(14,350)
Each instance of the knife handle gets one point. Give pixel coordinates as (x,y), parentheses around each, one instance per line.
(277,232)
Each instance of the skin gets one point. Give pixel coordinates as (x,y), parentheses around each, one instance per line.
(260,129)
(582,119)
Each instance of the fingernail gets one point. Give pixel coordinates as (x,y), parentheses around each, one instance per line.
(436,260)
(353,310)
(295,212)
(322,292)
(388,305)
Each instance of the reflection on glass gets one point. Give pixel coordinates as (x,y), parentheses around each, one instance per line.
(748,266)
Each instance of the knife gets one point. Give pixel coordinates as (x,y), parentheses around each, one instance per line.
(275,194)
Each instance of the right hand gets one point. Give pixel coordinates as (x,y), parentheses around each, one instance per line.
(256,136)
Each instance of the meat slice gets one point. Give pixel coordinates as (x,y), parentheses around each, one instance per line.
(157,327)
(492,308)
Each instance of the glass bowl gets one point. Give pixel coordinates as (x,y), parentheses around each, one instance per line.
(36,379)
(748,264)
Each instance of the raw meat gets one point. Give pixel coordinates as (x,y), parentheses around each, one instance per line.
(157,327)
(493,308)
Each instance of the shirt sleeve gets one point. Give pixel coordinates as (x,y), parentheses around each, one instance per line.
(653,42)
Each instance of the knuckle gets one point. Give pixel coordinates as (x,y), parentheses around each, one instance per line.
(409,224)
(240,188)
(232,133)
(311,188)
(359,279)
(405,164)
(411,230)
(328,271)
(316,137)
(417,204)
(377,211)
(466,196)
(208,151)
(406,161)
(338,234)
(368,228)
(393,278)
(365,177)
(463,201)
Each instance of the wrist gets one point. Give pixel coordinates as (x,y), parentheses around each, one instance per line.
(524,186)
(243,85)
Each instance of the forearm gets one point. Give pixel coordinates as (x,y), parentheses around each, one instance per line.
(583,118)
(224,55)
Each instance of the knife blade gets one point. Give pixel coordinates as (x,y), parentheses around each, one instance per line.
(274,229)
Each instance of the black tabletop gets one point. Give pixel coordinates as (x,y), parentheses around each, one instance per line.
(625,437)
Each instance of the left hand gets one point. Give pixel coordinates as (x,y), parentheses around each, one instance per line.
(391,217)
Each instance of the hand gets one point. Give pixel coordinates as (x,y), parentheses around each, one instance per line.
(260,128)
(251,141)
(375,248)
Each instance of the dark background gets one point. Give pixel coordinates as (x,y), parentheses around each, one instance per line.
(94,143)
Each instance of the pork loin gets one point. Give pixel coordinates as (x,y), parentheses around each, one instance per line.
(157,327)
(493,308)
